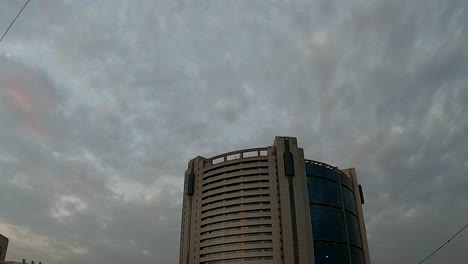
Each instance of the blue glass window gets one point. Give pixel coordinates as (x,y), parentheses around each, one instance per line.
(324,192)
(353,230)
(316,170)
(357,255)
(328,223)
(331,253)
(346,181)
(349,201)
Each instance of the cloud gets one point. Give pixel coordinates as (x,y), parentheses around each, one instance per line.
(103,104)
(68,205)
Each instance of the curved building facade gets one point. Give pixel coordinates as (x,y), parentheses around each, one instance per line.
(333,200)
(270,205)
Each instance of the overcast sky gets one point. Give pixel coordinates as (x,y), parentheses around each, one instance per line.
(103,103)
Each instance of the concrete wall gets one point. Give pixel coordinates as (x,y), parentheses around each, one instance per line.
(295,185)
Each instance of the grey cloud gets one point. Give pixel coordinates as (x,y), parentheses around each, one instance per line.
(103,104)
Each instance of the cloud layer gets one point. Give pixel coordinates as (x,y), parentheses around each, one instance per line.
(103,103)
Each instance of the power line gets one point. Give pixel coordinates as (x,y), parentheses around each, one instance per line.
(446,242)
(12,22)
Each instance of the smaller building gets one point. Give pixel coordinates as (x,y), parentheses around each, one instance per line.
(3,247)
(15,262)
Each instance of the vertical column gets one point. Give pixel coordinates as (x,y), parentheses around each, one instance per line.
(285,207)
(306,249)
(275,207)
(196,211)
(186,216)
(295,213)
(189,239)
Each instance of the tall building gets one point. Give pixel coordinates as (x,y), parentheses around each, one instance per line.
(270,205)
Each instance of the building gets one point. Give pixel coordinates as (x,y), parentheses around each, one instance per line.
(3,247)
(16,262)
(3,250)
(270,205)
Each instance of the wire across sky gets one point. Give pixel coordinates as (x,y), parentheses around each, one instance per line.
(12,22)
